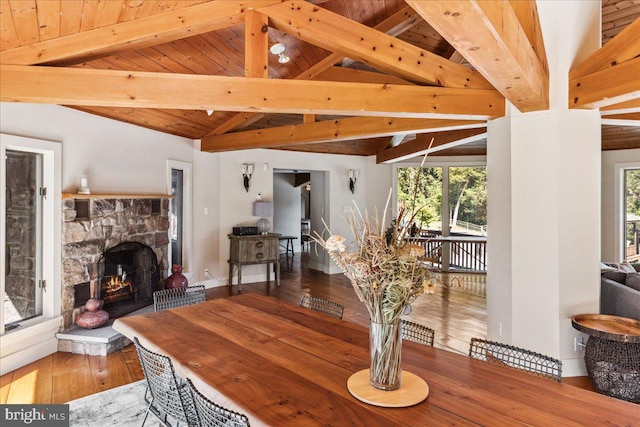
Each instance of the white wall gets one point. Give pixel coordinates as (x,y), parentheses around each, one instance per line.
(611,203)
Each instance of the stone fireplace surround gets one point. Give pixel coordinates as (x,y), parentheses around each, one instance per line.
(112,220)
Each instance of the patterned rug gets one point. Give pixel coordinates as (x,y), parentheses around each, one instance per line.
(119,407)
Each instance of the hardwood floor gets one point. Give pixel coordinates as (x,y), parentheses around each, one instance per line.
(457,312)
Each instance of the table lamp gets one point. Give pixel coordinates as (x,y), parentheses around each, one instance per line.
(263,209)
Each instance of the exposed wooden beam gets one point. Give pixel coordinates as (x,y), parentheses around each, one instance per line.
(341,74)
(401,20)
(256,45)
(72,86)
(612,85)
(489,35)
(329,130)
(136,34)
(420,145)
(334,32)
(632,106)
(309,118)
(629,119)
(527,14)
(621,48)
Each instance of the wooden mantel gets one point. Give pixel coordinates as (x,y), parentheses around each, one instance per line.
(116,196)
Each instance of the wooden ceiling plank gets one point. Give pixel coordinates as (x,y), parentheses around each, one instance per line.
(609,86)
(48,19)
(130,10)
(144,32)
(631,106)
(91,14)
(256,45)
(72,86)
(111,13)
(9,37)
(422,142)
(621,48)
(484,31)
(329,130)
(25,19)
(354,40)
(70,17)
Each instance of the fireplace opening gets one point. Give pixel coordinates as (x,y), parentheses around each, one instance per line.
(129,275)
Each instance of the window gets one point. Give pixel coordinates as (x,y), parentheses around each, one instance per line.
(631,212)
(29,231)
(179,185)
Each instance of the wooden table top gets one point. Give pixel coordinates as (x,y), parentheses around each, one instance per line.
(283,365)
(614,328)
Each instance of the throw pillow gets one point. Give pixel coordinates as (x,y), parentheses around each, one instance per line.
(627,268)
(633,281)
(606,267)
(615,275)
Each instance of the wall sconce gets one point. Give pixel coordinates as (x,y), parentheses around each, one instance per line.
(279,49)
(353,177)
(247,171)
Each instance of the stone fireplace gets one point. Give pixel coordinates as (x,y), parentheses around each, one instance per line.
(109,239)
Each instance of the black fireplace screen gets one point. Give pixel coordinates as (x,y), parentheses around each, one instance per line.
(129,275)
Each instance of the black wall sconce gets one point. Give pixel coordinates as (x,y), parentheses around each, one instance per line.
(247,171)
(353,177)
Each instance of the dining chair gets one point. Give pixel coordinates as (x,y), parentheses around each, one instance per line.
(170,395)
(417,333)
(322,305)
(178,297)
(517,358)
(213,415)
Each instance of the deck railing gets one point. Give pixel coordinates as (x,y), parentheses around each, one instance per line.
(460,253)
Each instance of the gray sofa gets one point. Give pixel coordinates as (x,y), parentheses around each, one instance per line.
(618,298)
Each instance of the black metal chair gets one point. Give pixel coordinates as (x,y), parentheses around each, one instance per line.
(178,297)
(170,395)
(517,358)
(322,305)
(417,333)
(213,415)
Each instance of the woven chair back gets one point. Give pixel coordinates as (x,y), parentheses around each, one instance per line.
(517,358)
(417,333)
(214,415)
(322,305)
(178,297)
(170,395)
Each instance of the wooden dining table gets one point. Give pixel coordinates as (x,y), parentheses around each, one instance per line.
(284,365)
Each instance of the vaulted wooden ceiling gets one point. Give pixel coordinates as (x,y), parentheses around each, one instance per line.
(365,77)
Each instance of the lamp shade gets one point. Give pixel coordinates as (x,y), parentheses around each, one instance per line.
(262,209)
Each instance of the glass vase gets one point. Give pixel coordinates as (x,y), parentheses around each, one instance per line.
(385,346)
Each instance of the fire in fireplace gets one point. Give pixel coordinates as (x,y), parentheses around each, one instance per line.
(129,276)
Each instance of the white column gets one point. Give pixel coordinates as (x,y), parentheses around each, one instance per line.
(544,202)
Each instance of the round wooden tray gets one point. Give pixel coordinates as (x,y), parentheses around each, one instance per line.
(412,391)
(613,328)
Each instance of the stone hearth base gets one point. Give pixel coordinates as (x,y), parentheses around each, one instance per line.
(95,342)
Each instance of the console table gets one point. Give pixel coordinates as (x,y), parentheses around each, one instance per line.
(256,249)
(612,354)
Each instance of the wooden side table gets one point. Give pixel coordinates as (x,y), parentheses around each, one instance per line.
(612,354)
(256,249)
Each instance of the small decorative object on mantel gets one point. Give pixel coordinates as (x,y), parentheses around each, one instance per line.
(84,185)
(387,275)
(93,317)
(177,279)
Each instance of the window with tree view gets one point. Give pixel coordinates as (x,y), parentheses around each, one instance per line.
(632,214)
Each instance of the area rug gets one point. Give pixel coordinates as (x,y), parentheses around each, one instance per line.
(118,407)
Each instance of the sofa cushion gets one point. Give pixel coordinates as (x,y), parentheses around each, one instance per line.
(633,281)
(615,275)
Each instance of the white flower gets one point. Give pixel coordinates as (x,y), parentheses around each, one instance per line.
(335,243)
(429,286)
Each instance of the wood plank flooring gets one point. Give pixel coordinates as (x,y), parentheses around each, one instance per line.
(457,312)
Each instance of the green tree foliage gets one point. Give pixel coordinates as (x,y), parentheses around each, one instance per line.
(632,180)
(468,194)
(425,198)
